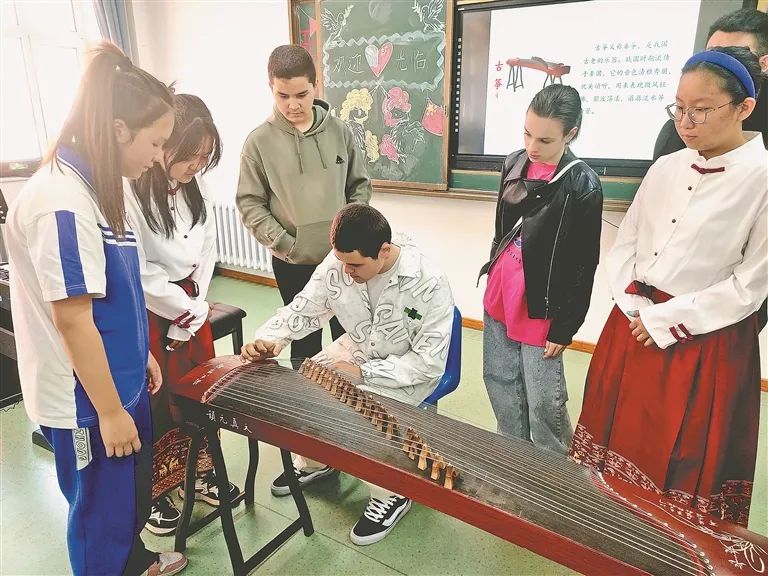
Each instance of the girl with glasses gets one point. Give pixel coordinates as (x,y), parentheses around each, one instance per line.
(672,399)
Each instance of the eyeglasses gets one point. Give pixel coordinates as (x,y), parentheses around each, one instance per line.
(695,115)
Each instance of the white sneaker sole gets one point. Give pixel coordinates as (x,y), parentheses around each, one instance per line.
(203,498)
(373,538)
(157,531)
(177,569)
(319,475)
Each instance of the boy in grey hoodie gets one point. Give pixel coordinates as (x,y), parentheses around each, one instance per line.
(297,170)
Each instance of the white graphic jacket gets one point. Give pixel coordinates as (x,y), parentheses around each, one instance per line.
(401,346)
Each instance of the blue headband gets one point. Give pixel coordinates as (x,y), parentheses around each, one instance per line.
(729,63)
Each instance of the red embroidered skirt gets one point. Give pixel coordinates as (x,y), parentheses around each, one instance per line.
(681,421)
(171,446)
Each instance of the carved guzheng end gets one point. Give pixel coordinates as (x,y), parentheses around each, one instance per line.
(505,486)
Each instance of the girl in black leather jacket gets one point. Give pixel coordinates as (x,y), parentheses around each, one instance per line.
(543,258)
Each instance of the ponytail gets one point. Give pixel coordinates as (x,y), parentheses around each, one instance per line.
(111,88)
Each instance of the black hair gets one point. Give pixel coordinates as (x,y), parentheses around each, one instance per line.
(729,83)
(193,123)
(748,21)
(560,102)
(360,227)
(290,61)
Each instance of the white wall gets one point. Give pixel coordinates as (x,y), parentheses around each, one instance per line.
(219,51)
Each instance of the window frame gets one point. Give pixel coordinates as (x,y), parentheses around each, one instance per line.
(32,39)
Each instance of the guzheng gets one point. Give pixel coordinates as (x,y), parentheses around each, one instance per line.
(554,69)
(505,486)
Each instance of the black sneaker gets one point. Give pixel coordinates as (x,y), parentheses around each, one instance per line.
(280,485)
(379,518)
(164,517)
(206,490)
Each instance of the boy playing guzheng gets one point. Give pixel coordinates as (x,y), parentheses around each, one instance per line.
(397,309)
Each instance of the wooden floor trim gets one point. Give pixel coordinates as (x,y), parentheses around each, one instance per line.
(472,323)
(577,345)
(246,276)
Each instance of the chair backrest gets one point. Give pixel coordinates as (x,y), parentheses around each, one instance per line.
(450,380)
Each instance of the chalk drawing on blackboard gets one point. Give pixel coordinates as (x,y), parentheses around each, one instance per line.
(404,134)
(335,23)
(430,14)
(380,10)
(433,120)
(384,70)
(378,57)
(354,112)
(412,54)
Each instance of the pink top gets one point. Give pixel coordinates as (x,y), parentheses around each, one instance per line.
(504,299)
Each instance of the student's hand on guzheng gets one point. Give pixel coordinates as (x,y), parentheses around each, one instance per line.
(119,434)
(260,350)
(154,375)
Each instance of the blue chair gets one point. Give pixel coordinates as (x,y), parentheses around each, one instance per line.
(450,380)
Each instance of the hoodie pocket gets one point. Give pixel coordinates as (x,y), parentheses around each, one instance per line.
(316,196)
(312,243)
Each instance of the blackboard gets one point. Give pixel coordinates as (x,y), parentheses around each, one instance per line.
(384,66)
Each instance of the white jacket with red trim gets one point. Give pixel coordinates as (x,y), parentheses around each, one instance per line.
(401,344)
(189,253)
(698,230)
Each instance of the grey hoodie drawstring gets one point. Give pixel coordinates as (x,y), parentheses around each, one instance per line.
(319,151)
(298,151)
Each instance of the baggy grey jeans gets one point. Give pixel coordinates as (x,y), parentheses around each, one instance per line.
(527,392)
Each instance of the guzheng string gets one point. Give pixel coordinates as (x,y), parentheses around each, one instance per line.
(375,439)
(280,385)
(590,525)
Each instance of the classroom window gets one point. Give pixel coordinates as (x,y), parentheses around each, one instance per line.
(43,49)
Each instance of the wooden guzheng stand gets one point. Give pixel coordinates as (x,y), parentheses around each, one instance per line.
(505,486)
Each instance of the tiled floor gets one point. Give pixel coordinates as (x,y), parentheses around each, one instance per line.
(33,512)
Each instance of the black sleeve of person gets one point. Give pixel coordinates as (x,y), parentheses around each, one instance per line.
(667,141)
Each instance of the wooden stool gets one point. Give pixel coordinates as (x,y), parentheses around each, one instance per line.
(240,565)
(225,320)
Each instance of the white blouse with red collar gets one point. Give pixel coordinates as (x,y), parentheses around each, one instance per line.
(698,230)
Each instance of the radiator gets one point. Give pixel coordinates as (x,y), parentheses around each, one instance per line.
(234,243)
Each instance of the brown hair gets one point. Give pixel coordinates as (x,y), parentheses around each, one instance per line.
(290,61)
(193,123)
(111,88)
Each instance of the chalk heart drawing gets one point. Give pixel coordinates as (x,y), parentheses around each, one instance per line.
(378,57)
